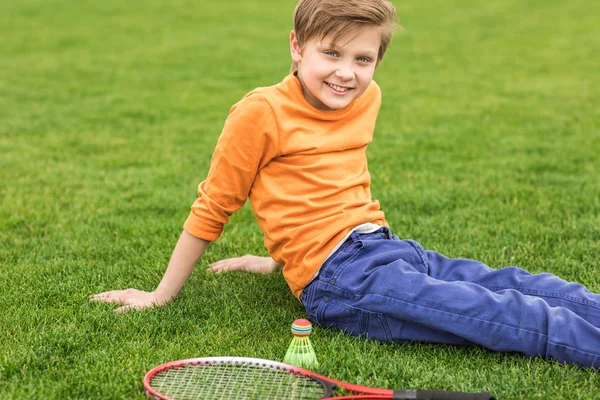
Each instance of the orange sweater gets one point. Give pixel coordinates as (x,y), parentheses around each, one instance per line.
(304,170)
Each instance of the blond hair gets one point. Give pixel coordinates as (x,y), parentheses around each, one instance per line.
(335,18)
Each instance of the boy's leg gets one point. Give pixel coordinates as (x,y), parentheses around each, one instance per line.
(381,288)
(553,290)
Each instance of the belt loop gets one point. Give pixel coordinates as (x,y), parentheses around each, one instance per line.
(387,232)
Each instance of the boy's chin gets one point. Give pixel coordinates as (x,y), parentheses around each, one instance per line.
(326,102)
(337,105)
(333,102)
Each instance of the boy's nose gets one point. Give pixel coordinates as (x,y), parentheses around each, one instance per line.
(345,73)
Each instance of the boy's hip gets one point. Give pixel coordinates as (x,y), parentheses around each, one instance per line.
(361,266)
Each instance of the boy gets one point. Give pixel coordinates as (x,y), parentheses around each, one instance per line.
(297,151)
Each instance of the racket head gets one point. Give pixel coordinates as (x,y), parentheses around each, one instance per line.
(253,378)
(234,377)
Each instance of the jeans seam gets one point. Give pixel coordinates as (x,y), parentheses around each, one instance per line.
(573,348)
(546,294)
(386,327)
(458,315)
(365,318)
(363,322)
(336,290)
(309,293)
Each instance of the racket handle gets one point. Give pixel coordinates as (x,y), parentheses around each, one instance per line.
(439,395)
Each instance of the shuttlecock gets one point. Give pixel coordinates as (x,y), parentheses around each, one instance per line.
(301,353)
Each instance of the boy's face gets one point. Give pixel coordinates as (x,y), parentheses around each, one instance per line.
(332,75)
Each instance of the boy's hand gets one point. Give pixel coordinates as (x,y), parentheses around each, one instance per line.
(129,298)
(183,260)
(250,263)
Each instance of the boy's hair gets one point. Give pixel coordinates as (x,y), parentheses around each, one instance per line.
(335,18)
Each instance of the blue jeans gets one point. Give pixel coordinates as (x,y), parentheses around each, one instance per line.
(383,288)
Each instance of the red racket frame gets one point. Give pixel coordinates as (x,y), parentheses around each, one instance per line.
(362,392)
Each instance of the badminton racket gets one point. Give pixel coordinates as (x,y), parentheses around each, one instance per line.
(255,379)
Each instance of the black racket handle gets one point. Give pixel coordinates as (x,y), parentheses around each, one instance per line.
(439,395)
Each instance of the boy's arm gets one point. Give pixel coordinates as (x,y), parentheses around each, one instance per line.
(250,263)
(183,260)
(248,142)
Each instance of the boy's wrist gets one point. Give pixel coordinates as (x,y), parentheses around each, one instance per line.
(162,297)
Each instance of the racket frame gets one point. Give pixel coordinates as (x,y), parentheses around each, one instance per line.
(329,384)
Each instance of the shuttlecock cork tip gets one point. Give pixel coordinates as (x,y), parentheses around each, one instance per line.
(301,327)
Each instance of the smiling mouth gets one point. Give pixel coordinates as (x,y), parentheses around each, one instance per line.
(337,88)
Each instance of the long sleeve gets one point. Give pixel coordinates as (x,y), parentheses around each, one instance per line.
(249,140)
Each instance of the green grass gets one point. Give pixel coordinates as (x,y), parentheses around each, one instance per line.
(487,147)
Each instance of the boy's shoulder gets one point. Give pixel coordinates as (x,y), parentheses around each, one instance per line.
(260,96)
(375,87)
(266,99)
(287,88)
(256,100)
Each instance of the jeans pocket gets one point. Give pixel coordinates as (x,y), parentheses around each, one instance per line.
(353,320)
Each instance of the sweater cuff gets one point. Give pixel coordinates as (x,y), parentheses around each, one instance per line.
(198,228)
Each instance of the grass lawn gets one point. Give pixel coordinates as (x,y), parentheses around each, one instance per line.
(487,146)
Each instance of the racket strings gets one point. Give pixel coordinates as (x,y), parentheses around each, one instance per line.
(224,380)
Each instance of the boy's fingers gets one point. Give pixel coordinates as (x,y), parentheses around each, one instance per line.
(218,270)
(223,265)
(108,297)
(99,296)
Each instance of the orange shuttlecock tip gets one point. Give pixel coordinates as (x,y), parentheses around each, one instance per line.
(300,352)
(301,327)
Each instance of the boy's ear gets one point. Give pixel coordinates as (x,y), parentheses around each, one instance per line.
(295,47)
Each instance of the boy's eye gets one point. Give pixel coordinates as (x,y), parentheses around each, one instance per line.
(364,59)
(331,53)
